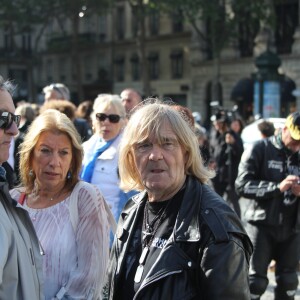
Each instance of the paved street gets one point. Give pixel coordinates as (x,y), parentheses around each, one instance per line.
(269,294)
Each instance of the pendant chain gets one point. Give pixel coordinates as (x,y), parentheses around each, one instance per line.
(150,229)
(148,236)
(36,190)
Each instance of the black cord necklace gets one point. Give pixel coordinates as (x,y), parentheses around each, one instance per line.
(150,229)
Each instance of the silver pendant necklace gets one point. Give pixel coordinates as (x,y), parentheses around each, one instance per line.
(150,229)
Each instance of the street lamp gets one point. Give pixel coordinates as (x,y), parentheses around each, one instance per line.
(267,102)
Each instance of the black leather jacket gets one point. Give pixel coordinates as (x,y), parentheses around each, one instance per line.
(206,257)
(261,169)
(226,156)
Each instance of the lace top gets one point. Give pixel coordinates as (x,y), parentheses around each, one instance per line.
(75,258)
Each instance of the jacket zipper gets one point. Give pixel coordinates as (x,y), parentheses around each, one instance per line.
(154,280)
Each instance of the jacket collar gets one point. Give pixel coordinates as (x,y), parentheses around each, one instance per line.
(6,195)
(2,174)
(187,227)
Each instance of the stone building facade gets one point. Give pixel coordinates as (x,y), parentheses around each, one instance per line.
(109,60)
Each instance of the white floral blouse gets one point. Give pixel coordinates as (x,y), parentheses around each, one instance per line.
(76,255)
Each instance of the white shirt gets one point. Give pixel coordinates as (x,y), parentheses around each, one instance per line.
(105,175)
(75,260)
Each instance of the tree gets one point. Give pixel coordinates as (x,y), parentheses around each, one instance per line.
(141,10)
(216,24)
(75,11)
(19,17)
(26,16)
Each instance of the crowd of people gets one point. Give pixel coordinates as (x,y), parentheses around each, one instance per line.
(125,198)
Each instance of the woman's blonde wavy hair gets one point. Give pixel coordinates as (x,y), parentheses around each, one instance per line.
(147,120)
(53,121)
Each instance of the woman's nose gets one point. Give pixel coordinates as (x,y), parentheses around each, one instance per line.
(55,160)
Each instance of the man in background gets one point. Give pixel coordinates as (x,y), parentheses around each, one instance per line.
(56,91)
(130,99)
(226,148)
(266,128)
(20,256)
(269,176)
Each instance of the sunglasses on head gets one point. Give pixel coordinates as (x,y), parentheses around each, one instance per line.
(111,118)
(7,118)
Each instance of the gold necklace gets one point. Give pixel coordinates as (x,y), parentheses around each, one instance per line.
(36,190)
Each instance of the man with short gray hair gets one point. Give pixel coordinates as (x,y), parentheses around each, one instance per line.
(20,255)
(130,99)
(56,91)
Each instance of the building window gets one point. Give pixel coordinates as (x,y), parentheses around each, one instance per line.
(176,57)
(135,67)
(7,40)
(120,22)
(286,23)
(26,42)
(49,70)
(62,69)
(177,21)
(88,67)
(102,28)
(154,23)
(50,28)
(88,23)
(153,59)
(134,22)
(120,68)
(246,37)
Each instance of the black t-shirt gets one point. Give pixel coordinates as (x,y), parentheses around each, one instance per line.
(128,286)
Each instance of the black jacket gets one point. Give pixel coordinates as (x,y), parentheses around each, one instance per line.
(206,256)
(83,128)
(261,169)
(226,156)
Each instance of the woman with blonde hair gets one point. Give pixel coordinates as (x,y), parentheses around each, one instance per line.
(70,217)
(101,151)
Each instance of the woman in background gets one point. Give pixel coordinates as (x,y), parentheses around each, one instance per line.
(101,151)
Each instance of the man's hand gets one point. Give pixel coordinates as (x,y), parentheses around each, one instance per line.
(290,182)
(229,139)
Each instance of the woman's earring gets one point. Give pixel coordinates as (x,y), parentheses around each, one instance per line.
(30,173)
(69,175)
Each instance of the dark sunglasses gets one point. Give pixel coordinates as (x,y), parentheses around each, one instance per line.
(111,118)
(7,118)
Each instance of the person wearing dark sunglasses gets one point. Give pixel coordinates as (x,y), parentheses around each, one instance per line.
(269,177)
(101,151)
(20,257)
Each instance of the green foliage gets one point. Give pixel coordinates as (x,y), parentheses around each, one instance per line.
(216,22)
(23,15)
